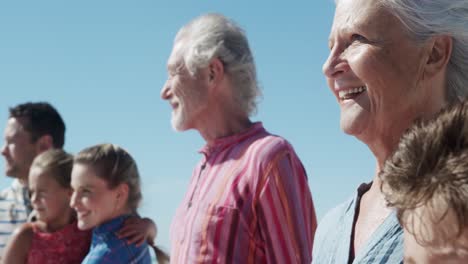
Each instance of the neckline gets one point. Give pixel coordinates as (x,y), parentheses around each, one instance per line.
(224,142)
(110,225)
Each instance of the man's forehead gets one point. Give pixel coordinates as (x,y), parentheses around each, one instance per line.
(176,55)
(14,125)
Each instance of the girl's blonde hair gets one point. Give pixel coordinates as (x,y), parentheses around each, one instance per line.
(57,163)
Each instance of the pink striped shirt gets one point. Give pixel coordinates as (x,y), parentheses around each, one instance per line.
(248,202)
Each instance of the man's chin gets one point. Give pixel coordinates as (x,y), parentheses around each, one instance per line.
(11,173)
(179,126)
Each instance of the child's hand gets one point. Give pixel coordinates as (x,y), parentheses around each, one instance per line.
(137,230)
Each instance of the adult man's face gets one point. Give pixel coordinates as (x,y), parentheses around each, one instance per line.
(18,149)
(186,94)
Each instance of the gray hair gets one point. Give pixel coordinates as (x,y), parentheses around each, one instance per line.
(428,18)
(213,35)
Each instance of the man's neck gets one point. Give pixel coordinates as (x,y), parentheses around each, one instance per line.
(23,181)
(227,128)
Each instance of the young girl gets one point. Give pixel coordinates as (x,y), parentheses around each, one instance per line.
(54,238)
(107,191)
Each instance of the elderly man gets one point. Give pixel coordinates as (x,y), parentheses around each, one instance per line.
(248,200)
(31,128)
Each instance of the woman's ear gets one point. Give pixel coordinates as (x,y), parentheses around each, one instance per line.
(122,194)
(440,50)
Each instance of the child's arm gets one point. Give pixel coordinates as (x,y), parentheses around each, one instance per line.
(17,248)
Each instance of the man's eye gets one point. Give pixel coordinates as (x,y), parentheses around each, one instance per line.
(171,74)
(357,37)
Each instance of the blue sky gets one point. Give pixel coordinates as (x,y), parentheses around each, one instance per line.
(102,65)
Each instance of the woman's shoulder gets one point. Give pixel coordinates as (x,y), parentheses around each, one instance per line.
(115,250)
(332,231)
(335,219)
(338,213)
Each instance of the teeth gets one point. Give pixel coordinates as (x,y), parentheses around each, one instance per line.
(344,94)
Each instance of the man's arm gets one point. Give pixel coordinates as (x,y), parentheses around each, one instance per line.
(137,230)
(285,211)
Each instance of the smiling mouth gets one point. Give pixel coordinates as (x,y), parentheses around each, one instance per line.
(174,105)
(83,215)
(351,93)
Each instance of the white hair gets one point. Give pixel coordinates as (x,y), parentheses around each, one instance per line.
(427,18)
(215,36)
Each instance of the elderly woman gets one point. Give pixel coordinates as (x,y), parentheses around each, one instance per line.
(391,62)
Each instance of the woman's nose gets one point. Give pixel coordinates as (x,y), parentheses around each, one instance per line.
(335,64)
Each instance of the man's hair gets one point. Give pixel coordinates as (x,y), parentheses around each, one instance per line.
(215,36)
(41,119)
(429,171)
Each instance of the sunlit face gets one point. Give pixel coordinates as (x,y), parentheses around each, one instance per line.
(186,94)
(49,200)
(93,201)
(435,244)
(19,150)
(374,70)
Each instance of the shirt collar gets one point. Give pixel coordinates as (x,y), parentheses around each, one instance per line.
(224,142)
(22,189)
(16,184)
(363,188)
(110,226)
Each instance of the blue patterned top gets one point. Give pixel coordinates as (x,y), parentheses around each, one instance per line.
(15,207)
(106,247)
(332,241)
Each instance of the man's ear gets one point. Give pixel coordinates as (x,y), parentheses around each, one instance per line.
(215,71)
(440,50)
(44,143)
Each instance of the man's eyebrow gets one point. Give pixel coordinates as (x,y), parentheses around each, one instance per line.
(175,67)
(171,65)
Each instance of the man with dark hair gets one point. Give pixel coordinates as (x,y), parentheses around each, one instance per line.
(426,181)
(41,119)
(31,129)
